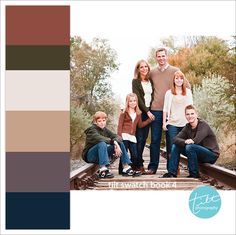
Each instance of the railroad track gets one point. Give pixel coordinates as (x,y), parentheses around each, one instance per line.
(86,178)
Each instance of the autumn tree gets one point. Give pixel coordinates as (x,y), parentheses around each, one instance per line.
(209,65)
(91,67)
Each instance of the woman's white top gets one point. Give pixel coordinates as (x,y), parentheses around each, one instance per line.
(147,88)
(174,106)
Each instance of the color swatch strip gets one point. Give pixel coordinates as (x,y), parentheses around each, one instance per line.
(37,117)
(38,57)
(38,86)
(38,25)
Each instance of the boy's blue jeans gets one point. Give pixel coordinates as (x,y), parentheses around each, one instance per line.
(100,153)
(195,154)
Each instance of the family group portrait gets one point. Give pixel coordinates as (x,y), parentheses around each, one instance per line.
(181,103)
(152,97)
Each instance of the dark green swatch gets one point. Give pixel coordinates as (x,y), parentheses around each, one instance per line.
(37,57)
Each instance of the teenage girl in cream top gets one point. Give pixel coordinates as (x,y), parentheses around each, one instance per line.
(176,99)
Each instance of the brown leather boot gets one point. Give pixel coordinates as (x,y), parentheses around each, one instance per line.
(141,169)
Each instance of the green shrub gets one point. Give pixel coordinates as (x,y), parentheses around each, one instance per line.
(79,121)
(216,107)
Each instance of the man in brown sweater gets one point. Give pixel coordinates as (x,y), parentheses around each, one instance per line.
(196,141)
(161,77)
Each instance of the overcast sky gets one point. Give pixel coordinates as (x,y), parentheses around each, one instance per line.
(132,27)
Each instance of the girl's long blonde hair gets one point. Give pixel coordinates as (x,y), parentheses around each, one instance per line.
(137,110)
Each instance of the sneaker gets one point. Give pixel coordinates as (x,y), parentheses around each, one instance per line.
(129,172)
(105,174)
(168,175)
(137,173)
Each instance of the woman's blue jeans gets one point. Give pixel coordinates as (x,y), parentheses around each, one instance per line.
(141,136)
(170,134)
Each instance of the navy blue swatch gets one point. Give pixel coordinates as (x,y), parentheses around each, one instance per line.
(38,210)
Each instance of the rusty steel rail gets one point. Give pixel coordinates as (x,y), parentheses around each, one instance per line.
(218,175)
(215,175)
(84,177)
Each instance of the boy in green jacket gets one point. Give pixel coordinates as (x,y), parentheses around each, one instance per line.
(102,143)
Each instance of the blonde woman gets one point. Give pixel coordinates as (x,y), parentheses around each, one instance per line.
(143,88)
